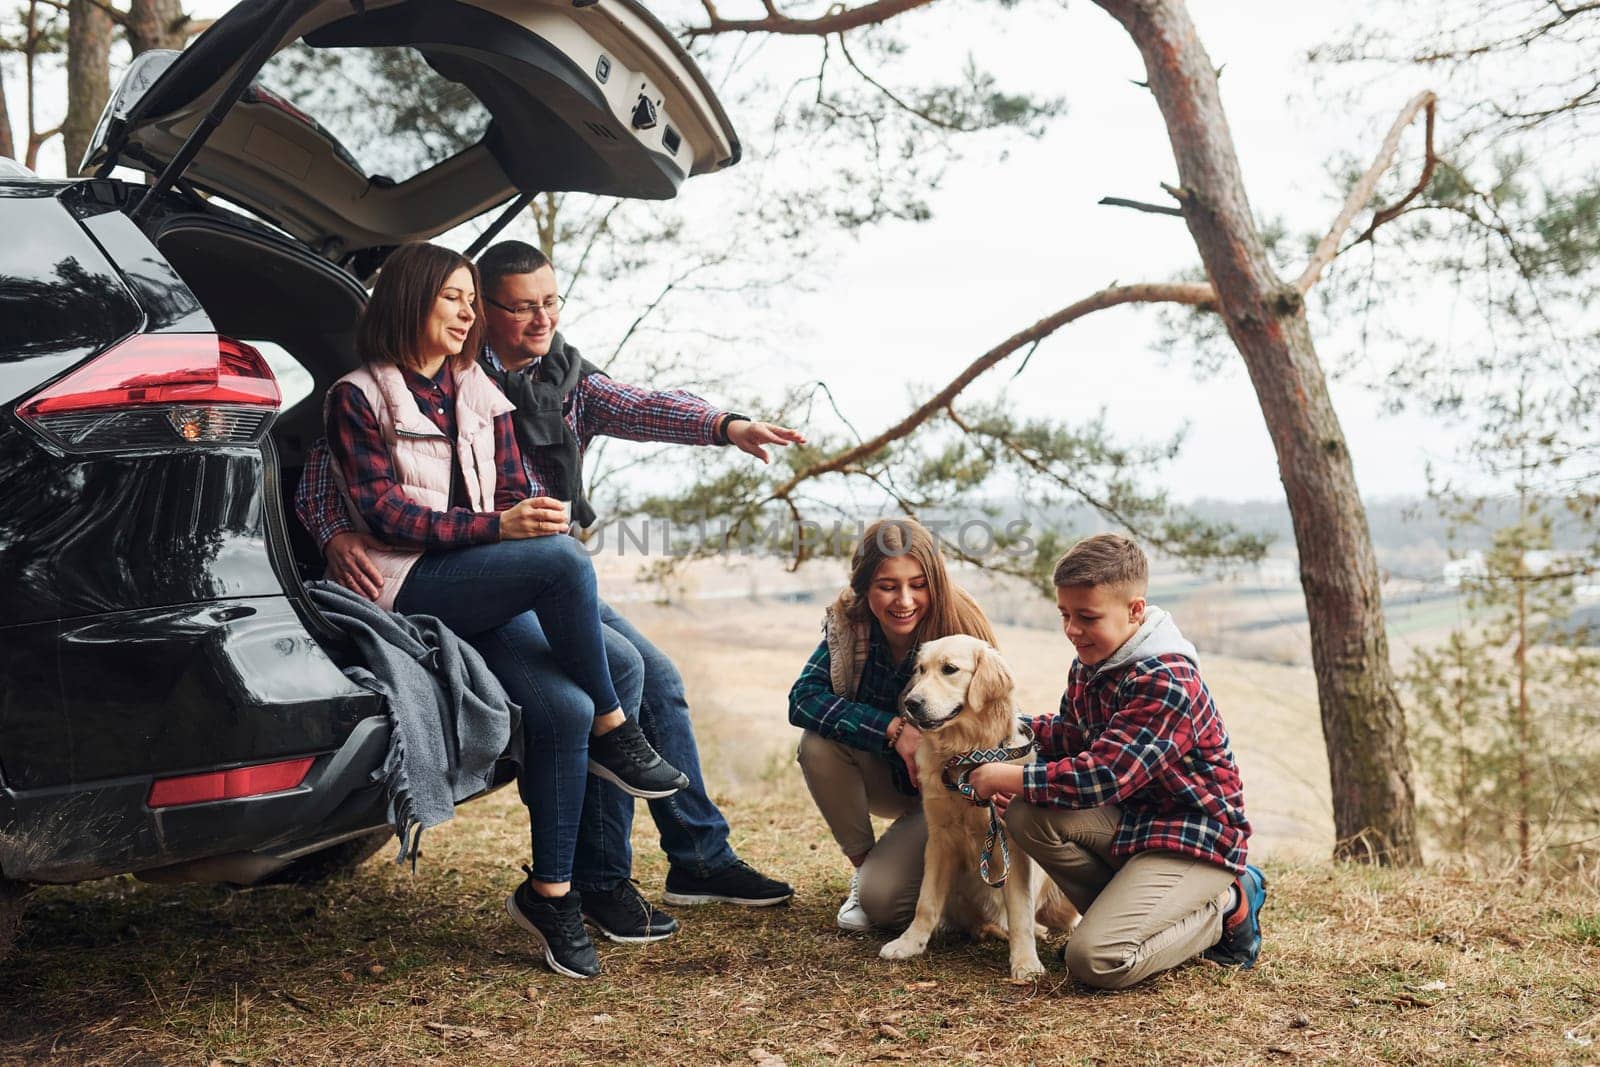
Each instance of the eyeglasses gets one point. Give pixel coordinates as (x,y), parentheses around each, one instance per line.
(551,306)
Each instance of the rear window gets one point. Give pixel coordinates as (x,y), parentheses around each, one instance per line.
(386,109)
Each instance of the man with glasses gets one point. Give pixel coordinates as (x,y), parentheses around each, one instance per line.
(562,403)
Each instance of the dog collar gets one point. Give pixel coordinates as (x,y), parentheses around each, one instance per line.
(996,836)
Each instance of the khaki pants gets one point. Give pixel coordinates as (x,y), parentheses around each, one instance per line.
(850,786)
(1141,915)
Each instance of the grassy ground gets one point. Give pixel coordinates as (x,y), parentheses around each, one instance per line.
(1360,966)
(383,967)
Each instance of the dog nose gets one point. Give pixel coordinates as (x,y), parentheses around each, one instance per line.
(914,705)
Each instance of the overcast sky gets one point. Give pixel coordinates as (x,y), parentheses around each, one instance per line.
(907,305)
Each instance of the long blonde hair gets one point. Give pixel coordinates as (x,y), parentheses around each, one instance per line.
(951,610)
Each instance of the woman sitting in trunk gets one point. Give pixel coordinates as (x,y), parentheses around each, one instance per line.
(426,454)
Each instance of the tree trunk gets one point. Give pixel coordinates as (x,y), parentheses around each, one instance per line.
(88,76)
(1362,722)
(156,24)
(8,147)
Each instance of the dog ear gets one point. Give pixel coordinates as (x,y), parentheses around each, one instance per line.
(991,679)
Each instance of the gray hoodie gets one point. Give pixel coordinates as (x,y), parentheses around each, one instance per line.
(1157,636)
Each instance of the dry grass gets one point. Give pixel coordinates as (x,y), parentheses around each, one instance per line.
(1360,966)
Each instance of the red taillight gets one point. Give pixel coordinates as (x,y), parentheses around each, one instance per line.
(254,781)
(159,390)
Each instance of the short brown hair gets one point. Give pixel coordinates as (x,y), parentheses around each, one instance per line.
(510,257)
(392,326)
(1104,559)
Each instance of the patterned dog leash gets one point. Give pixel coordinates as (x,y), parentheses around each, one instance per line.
(997,831)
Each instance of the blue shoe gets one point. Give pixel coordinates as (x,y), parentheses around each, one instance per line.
(1241,945)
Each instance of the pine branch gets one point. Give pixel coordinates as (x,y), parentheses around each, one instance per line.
(1192,294)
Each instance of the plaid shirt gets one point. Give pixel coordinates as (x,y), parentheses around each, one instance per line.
(599,406)
(1146,737)
(861,723)
(357,444)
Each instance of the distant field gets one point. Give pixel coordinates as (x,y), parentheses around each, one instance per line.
(739,658)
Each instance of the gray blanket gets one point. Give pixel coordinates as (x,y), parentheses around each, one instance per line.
(450,717)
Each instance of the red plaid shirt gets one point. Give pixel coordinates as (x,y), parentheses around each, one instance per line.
(357,444)
(1146,737)
(600,406)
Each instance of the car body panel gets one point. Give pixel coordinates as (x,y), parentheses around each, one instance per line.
(169,304)
(168,691)
(66,835)
(61,300)
(83,536)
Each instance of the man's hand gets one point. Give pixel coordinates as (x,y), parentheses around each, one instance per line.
(905,747)
(537,516)
(749,436)
(349,564)
(993,780)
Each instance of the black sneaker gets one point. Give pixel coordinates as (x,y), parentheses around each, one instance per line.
(622,914)
(737,883)
(558,924)
(625,757)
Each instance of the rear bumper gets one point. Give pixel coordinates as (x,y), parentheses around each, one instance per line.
(73,833)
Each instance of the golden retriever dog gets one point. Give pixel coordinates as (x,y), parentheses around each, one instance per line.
(960,697)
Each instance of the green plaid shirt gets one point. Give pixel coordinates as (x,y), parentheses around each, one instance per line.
(863,722)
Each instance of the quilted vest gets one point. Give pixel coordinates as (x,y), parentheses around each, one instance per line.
(422,453)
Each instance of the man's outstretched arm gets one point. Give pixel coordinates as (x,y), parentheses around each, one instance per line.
(616,409)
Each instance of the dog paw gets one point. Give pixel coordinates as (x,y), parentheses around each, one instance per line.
(901,948)
(1027,971)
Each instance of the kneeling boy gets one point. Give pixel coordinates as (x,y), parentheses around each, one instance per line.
(1137,811)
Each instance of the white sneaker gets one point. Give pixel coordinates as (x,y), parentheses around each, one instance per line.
(852,916)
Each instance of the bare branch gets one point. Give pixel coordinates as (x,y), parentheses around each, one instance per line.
(1362,192)
(838,19)
(117,16)
(1140,205)
(1429,162)
(925,116)
(650,308)
(1194,294)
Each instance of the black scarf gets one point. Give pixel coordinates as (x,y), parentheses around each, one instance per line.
(541,393)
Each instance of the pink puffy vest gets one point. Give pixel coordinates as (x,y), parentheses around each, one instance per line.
(422,453)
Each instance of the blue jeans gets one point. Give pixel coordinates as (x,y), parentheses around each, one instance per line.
(694,834)
(504,598)
(556,716)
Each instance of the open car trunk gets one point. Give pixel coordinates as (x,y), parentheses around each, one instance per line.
(595,96)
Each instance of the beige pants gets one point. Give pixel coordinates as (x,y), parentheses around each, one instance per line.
(1141,915)
(850,786)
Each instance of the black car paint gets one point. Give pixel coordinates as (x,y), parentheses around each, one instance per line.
(151,620)
(61,301)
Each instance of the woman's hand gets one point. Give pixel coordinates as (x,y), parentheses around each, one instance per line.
(537,516)
(905,746)
(993,780)
(350,566)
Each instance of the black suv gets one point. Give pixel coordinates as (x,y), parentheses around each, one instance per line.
(170,702)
